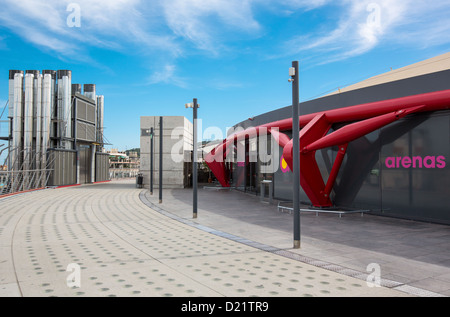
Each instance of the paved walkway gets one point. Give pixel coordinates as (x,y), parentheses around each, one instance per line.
(413,256)
(123,247)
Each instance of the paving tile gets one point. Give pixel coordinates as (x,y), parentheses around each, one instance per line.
(10,290)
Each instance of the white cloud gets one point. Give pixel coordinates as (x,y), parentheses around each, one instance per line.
(167,75)
(365,24)
(27,19)
(362,25)
(423,24)
(204,23)
(113,24)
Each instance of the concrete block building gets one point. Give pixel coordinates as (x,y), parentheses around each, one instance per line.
(177,150)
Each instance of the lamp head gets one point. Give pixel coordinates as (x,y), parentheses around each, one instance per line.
(191,105)
(292,71)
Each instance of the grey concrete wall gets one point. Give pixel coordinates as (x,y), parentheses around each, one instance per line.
(177,139)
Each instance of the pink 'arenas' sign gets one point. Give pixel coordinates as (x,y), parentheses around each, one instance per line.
(415,162)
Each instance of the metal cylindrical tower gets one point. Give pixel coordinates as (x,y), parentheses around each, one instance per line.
(17,103)
(28,118)
(47,104)
(53,101)
(89,91)
(76,89)
(100,112)
(64,108)
(12,74)
(37,121)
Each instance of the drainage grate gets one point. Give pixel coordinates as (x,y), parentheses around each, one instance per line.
(417,291)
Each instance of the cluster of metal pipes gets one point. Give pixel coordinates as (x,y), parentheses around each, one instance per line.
(41,112)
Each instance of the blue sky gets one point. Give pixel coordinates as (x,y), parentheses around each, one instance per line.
(152,57)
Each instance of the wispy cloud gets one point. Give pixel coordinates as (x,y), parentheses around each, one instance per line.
(359,29)
(205,23)
(422,24)
(167,75)
(37,28)
(366,24)
(114,24)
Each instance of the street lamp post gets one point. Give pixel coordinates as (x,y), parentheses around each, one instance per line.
(194,106)
(160,158)
(293,72)
(151,161)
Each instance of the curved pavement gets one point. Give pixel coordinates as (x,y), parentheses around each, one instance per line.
(124,248)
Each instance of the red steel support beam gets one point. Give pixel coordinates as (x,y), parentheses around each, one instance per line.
(335,170)
(356,130)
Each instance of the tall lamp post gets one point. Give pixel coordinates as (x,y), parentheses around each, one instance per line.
(151,161)
(161,135)
(293,73)
(194,106)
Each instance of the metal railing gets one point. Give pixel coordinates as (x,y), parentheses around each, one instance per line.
(117,173)
(23,172)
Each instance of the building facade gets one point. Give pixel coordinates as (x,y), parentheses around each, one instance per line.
(55,132)
(177,139)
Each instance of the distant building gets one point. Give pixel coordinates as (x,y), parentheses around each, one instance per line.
(122,165)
